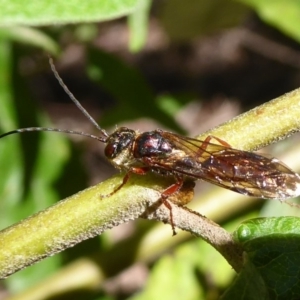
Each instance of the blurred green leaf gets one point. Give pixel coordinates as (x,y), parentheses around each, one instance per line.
(52,153)
(220,274)
(284,15)
(10,153)
(174,277)
(273,248)
(138,25)
(16,12)
(85,33)
(30,36)
(128,87)
(169,104)
(29,174)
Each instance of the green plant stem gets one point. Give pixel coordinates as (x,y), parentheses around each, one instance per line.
(79,217)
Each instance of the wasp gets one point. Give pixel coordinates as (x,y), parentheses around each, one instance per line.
(185,158)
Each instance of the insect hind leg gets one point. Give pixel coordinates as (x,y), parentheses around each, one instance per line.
(222,142)
(169,191)
(208,140)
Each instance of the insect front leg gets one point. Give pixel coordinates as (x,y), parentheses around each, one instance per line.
(139,171)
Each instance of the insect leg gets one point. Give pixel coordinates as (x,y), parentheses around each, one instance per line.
(222,142)
(172,189)
(139,171)
(169,191)
(206,142)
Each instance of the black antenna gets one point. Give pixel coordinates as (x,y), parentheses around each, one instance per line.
(77,103)
(30,129)
(70,94)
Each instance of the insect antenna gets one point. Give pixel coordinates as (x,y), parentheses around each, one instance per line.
(73,98)
(30,129)
(77,103)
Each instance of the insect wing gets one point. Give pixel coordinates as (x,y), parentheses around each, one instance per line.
(244,172)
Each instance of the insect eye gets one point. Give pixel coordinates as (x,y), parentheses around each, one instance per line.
(111,150)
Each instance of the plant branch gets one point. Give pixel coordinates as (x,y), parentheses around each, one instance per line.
(77,218)
(208,230)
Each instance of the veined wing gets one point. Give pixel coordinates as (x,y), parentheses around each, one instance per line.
(244,172)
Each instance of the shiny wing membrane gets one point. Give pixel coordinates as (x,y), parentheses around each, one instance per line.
(244,172)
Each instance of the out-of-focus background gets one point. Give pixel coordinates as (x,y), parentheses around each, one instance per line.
(183,66)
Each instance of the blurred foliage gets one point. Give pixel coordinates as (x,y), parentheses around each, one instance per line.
(202,17)
(58,12)
(283,15)
(127,86)
(33,164)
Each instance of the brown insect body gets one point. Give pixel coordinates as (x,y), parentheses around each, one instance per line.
(167,153)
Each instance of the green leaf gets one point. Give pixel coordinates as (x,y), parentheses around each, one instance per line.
(173,277)
(16,12)
(273,247)
(283,15)
(138,24)
(247,286)
(30,36)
